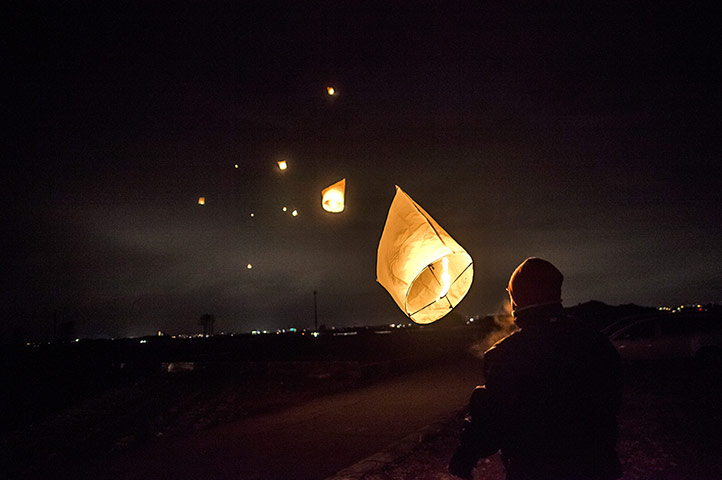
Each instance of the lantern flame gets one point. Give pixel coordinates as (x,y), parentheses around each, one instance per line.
(445,278)
(333,197)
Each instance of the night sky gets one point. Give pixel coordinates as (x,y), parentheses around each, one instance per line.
(586,135)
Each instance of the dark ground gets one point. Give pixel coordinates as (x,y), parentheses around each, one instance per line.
(670,429)
(81,401)
(671,420)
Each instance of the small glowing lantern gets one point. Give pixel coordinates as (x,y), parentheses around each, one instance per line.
(333,197)
(282,165)
(331,91)
(426,272)
(249,266)
(201,200)
(294,213)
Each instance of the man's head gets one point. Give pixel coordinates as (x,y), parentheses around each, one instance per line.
(535,282)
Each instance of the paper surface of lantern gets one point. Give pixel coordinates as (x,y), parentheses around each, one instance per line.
(333,197)
(424,269)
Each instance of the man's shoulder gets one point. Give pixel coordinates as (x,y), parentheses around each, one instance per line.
(505,347)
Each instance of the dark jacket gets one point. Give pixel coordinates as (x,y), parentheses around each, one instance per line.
(552,393)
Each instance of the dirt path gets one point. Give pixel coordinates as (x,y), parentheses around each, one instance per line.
(308,441)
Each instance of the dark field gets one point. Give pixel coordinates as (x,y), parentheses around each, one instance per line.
(74,402)
(78,401)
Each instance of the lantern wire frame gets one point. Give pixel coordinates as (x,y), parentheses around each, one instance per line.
(430,267)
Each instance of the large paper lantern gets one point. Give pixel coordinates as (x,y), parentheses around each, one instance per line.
(426,272)
(332,197)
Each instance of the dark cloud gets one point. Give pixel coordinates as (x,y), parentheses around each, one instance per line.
(584,134)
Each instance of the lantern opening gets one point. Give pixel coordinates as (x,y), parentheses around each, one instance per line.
(429,298)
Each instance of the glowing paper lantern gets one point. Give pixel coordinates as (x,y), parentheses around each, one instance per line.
(330,90)
(201,200)
(426,272)
(333,197)
(282,165)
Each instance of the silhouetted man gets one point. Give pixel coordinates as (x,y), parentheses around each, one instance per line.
(551,395)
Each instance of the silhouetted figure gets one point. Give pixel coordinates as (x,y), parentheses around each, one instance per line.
(552,392)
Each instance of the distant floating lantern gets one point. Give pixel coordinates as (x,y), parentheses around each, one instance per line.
(331,91)
(201,200)
(332,197)
(285,209)
(249,266)
(294,213)
(426,271)
(282,165)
